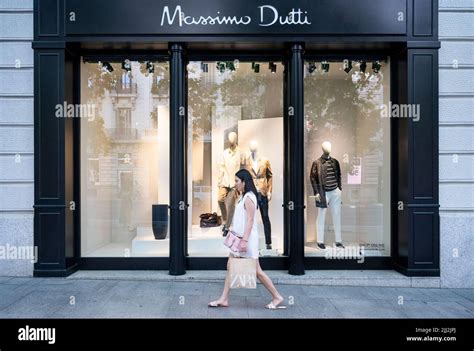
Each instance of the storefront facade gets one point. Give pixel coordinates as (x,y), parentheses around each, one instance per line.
(143,112)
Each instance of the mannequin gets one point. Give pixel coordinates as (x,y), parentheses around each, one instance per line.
(326,181)
(230,164)
(261,170)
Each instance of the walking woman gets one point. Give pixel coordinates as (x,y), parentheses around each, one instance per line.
(244,223)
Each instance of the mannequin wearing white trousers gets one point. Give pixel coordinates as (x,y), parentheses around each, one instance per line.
(333,199)
(326,182)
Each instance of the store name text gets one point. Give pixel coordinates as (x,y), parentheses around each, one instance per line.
(269,16)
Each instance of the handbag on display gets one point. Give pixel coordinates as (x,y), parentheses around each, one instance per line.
(243,273)
(209,220)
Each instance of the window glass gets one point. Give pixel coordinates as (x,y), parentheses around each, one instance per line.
(124,159)
(347,157)
(236,121)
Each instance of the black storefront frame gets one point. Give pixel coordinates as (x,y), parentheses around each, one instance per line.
(415,231)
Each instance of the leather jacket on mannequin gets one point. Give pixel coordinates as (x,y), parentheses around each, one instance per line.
(318,177)
(261,171)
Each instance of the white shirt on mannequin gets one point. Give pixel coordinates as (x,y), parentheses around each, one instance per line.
(230,164)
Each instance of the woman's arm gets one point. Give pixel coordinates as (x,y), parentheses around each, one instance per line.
(249,206)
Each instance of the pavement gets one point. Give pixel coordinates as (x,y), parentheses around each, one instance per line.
(120,296)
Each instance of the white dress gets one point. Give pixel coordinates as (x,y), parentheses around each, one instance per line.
(239,223)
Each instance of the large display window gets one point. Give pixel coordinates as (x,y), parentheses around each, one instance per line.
(347,157)
(125,159)
(235,121)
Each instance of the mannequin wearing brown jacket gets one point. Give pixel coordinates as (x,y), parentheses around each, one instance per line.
(261,171)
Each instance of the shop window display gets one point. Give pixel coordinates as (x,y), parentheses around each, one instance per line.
(124,159)
(235,113)
(347,157)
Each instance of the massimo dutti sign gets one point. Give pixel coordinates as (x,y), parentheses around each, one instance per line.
(269,16)
(234,17)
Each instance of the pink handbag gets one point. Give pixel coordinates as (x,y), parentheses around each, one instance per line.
(232,241)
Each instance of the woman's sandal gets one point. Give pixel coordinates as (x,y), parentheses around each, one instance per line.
(271,306)
(216,304)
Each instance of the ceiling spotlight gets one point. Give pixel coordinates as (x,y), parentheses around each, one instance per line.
(150,67)
(325,66)
(376,66)
(347,66)
(256,68)
(204,67)
(230,65)
(107,66)
(312,67)
(127,65)
(221,66)
(363,66)
(273,67)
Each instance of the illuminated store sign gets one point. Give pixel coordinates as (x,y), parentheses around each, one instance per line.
(268,16)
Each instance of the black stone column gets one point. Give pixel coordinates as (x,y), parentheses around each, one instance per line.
(415,201)
(287,166)
(178,186)
(55,206)
(295,205)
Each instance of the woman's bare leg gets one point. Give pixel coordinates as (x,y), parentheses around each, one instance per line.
(268,284)
(224,299)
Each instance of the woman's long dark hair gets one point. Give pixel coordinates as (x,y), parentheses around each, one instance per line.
(247,178)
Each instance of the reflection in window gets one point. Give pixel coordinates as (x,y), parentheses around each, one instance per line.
(124,159)
(236,121)
(347,157)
